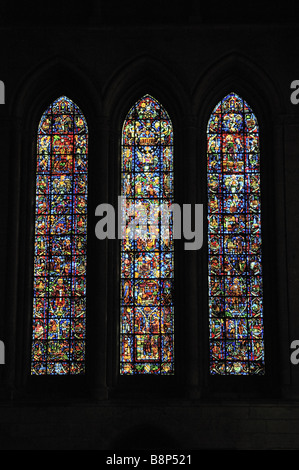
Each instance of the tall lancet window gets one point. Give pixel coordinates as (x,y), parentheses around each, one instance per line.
(147,257)
(59,302)
(235,242)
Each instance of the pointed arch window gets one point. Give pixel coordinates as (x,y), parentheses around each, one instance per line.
(59,300)
(147,257)
(235,241)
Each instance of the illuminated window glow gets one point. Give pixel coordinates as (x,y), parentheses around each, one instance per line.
(59,303)
(147,261)
(235,241)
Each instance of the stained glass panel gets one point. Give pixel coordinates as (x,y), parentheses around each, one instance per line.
(147,260)
(234,231)
(59,303)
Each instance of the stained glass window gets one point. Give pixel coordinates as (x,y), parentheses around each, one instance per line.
(235,242)
(147,253)
(59,301)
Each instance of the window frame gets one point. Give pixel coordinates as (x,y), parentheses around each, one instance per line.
(53,387)
(50,194)
(245,198)
(160,199)
(140,385)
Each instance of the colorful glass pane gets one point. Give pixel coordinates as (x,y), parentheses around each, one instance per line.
(59,303)
(234,231)
(147,345)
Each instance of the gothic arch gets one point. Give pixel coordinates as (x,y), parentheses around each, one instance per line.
(236,73)
(237,70)
(142,75)
(132,81)
(35,93)
(50,78)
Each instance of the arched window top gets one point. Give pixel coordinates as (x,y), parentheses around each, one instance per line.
(147,108)
(60,240)
(147,256)
(244,120)
(63,116)
(235,240)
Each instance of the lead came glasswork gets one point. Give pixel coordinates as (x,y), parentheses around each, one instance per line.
(59,303)
(234,231)
(147,262)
